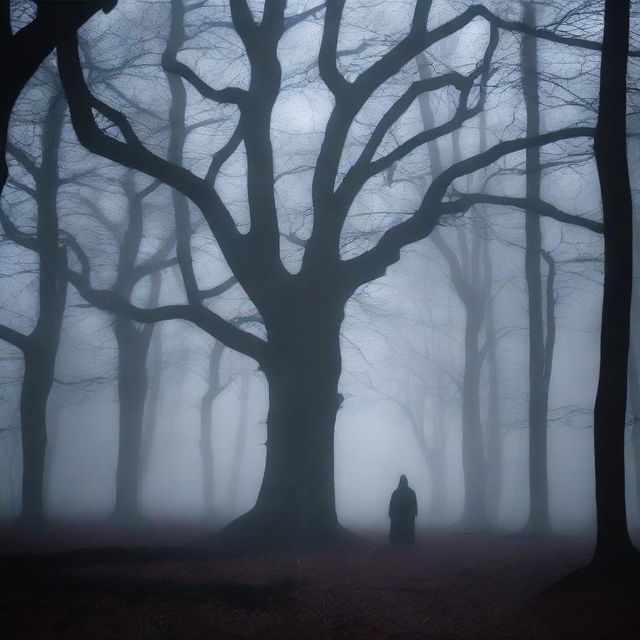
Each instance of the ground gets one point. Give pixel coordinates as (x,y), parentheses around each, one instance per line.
(445,587)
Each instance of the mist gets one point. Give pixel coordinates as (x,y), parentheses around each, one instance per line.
(262,259)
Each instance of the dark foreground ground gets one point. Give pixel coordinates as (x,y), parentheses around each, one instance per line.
(446,587)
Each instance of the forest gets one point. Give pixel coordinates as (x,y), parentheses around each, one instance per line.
(263,261)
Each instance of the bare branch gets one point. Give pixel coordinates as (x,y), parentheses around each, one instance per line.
(467,200)
(374,262)
(14,337)
(132,153)
(212,323)
(327,58)
(218,289)
(230,95)
(222,155)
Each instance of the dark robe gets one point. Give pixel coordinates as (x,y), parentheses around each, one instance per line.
(403,510)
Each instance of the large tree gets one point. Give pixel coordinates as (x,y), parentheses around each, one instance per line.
(614,550)
(302,311)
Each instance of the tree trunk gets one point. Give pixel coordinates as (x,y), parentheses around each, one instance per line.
(132,390)
(153,397)
(240,440)
(550,339)
(635,443)
(474,514)
(297,491)
(296,501)
(634,410)
(494,435)
(53,438)
(634,364)
(206,453)
(538,481)
(38,378)
(40,355)
(614,550)
(133,349)
(438,474)
(39,365)
(206,428)
(439,487)
(434,462)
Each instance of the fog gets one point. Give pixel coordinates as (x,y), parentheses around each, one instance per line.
(404,340)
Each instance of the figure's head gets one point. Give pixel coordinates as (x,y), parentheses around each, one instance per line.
(403,481)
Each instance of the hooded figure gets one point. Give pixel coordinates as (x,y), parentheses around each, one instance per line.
(403,510)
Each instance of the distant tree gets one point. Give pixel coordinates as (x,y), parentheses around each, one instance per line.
(538,400)
(40,346)
(215,387)
(493,432)
(240,438)
(133,345)
(472,287)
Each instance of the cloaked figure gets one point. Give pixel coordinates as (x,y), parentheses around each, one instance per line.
(403,510)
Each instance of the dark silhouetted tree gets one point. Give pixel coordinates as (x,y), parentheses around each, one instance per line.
(614,550)
(303,311)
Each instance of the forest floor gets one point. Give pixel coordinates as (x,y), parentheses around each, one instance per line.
(444,587)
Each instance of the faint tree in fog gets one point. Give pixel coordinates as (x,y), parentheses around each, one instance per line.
(40,346)
(215,387)
(469,265)
(493,431)
(538,400)
(240,441)
(472,286)
(132,268)
(541,306)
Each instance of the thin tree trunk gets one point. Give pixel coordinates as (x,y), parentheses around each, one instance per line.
(474,514)
(438,504)
(132,390)
(494,436)
(429,455)
(53,437)
(133,348)
(154,364)
(40,355)
(550,339)
(240,439)
(465,276)
(206,428)
(439,491)
(33,407)
(538,481)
